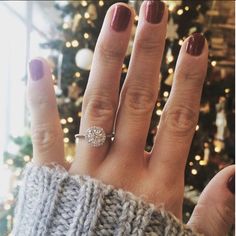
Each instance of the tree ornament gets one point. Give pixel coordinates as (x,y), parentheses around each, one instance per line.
(83,58)
(221,122)
(74,90)
(92,12)
(172,30)
(76,22)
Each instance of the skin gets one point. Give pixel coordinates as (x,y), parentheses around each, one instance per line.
(157,176)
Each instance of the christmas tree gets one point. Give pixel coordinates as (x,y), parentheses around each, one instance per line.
(71,56)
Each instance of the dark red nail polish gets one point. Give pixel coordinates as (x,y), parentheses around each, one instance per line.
(154,11)
(195,44)
(231,184)
(36,69)
(120,18)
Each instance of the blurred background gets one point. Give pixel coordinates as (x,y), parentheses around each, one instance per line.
(65,32)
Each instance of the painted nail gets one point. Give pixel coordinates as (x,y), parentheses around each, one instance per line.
(154,11)
(231,184)
(120,18)
(195,44)
(36,69)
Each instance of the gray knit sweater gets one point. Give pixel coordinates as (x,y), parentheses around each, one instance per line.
(51,202)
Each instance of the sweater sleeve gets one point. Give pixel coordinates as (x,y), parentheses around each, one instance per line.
(52,202)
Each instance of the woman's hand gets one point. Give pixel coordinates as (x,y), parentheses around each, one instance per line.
(157,177)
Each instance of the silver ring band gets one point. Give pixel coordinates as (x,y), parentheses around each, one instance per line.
(95,136)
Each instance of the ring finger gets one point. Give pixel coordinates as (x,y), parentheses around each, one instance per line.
(101,96)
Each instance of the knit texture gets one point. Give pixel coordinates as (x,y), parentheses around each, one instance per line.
(52,202)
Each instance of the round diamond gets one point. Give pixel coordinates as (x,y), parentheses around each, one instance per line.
(95,136)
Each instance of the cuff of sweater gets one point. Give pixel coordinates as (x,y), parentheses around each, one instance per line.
(52,202)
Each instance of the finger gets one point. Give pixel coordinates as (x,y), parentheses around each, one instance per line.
(101,96)
(216,205)
(140,90)
(180,114)
(47,137)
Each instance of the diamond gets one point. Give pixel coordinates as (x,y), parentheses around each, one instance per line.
(95,136)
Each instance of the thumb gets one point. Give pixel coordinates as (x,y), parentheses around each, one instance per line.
(214,213)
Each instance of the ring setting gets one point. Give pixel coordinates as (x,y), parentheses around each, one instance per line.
(95,136)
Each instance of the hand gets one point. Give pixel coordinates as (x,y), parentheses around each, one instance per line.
(157,177)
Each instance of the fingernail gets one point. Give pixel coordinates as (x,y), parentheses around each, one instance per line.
(231,184)
(195,44)
(154,11)
(36,69)
(120,18)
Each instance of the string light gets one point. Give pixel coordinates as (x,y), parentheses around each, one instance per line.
(217,149)
(197,128)
(186,8)
(65,26)
(84,3)
(158,104)
(180,12)
(53,77)
(86,35)
(191,163)
(136,18)
(69,158)
(194,171)
(75,43)
(66,140)
(197,158)
(166,94)
(9,162)
(63,121)
(70,119)
(77,74)
(86,15)
(68,44)
(79,114)
(227,90)
(7,206)
(9,217)
(101,3)
(159,112)
(170,70)
(181,42)
(26,158)
(66,130)
(213,63)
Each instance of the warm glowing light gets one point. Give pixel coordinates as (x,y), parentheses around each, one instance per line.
(66,140)
(26,158)
(86,15)
(79,114)
(63,121)
(197,157)
(158,104)
(68,44)
(213,63)
(180,12)
(75,43)
(7,206)
(202,163)
(170,58)
(217,149)
(181,42)
(9,162)
(66,130)
(70,119)
(86,35)
(65,26)
(186,8)
(159,112)
(191,163)
(53,77)
(77,74)
(101,3)
(136,17)
(171,70)
(69,158)
(194,171)
(227,90)
(9,217)
(84,3)
(197,127)
(166,94)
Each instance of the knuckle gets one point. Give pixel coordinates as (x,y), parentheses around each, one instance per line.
(110,54)
(148,46)
(139,100)
(100,107)
(180,120)
(45,136)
